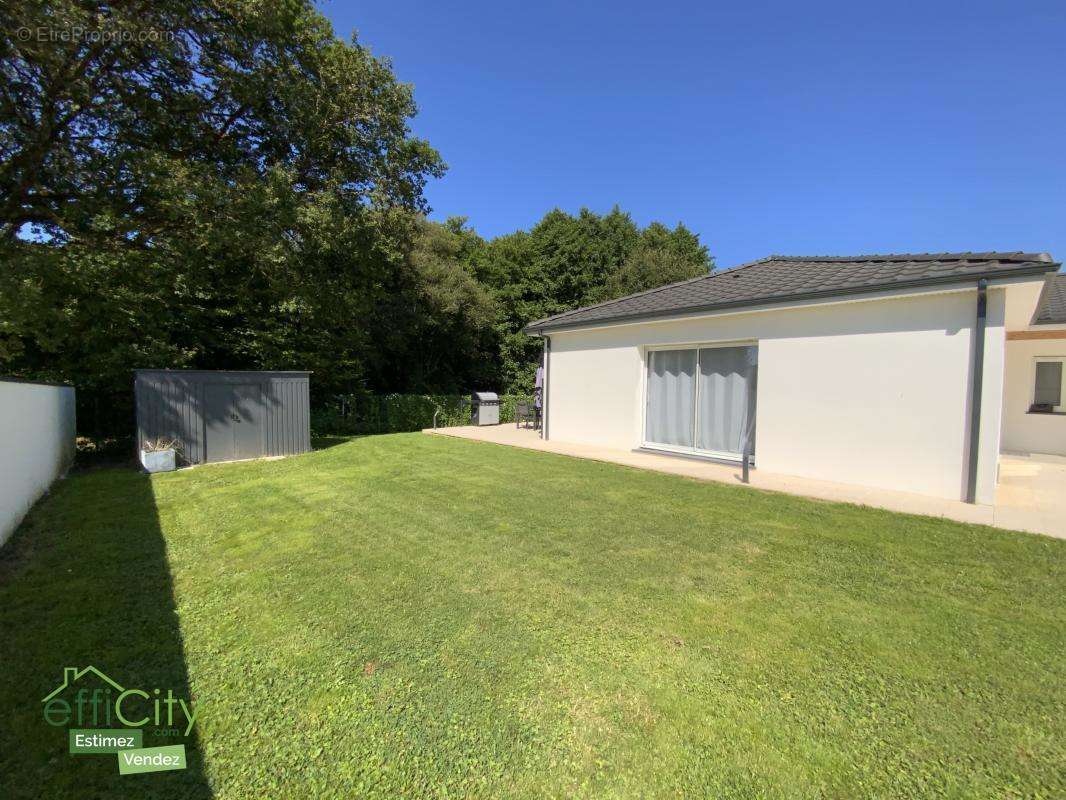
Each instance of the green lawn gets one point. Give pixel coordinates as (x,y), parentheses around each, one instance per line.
(417,616)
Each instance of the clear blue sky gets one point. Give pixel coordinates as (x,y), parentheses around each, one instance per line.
(788,127)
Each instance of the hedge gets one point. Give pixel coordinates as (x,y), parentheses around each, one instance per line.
(103,417)
(357,414)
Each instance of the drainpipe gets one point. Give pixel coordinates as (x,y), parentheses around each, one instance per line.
(975,389)
(544,389)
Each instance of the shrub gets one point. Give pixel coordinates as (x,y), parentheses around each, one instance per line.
(359,414)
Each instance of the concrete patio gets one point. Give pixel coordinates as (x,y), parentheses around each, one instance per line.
(1031,495)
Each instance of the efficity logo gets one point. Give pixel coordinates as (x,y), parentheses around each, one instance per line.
(92,706)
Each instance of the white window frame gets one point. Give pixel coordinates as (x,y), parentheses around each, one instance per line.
(645,361)
(1061,407)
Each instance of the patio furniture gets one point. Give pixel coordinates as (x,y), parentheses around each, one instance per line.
(526,413)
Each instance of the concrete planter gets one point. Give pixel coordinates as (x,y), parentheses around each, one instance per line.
(159,460)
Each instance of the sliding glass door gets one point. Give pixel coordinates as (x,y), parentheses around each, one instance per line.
(671,398)
(702,400)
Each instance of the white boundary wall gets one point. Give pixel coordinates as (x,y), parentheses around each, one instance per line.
(874,392)
(36,445)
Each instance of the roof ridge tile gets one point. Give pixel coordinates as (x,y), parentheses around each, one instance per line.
(988,255)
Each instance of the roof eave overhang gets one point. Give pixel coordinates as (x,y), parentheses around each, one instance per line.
(535,329)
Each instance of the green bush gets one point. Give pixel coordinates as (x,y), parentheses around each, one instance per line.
(359,414)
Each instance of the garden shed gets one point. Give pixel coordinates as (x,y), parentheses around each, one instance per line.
(224,416)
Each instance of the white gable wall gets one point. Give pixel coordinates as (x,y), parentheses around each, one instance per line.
(874,392)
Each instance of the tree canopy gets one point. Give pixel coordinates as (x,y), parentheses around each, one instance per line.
(217,185)
(229,185)
(567,261)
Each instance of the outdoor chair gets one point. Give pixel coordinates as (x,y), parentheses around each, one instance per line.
(525,413)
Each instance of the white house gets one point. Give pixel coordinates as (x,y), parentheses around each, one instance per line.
(903,372)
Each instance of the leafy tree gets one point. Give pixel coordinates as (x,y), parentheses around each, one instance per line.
(662,257)
(435,333)
(210,185)
(568,261)
(228,185)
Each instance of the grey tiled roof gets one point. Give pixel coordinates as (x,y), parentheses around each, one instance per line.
(1052,309)
(791,278)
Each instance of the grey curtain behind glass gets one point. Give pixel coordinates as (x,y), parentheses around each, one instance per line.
(671,397)
(726,415)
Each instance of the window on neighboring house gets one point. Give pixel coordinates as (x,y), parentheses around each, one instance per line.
(1050,384)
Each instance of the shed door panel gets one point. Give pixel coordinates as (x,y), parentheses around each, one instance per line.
(233,419)
(248,421)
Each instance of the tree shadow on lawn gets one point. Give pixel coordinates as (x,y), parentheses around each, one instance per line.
(326,442)
(85,582)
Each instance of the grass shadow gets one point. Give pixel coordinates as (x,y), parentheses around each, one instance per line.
(326,442)
(85,581)
(109,452)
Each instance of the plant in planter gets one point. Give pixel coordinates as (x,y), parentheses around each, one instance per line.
(160,455)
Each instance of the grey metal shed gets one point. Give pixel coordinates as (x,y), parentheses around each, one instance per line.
(224,416)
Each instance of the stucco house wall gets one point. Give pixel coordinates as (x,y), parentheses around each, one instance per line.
(1023,432)
(873,392)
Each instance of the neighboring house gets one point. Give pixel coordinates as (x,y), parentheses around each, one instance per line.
(904,372)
